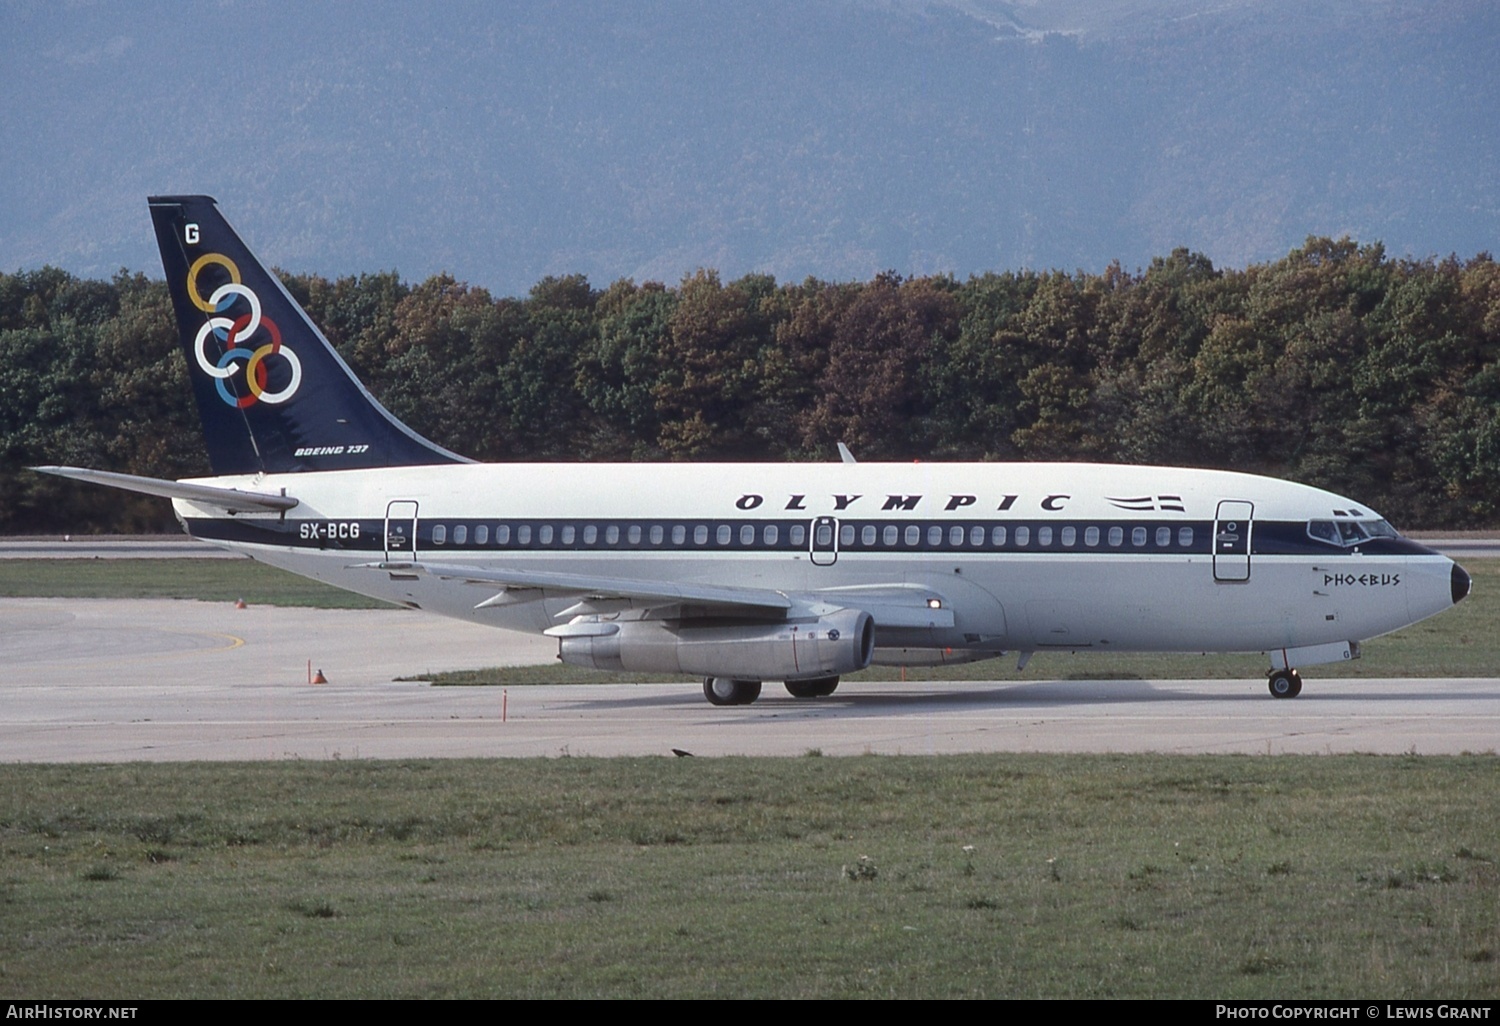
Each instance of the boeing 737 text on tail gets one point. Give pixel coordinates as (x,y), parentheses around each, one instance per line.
(743,573)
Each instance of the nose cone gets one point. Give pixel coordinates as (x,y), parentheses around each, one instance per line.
(1461,583)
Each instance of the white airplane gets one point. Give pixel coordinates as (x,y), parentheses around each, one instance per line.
(743,573)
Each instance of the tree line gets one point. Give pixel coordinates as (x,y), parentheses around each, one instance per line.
(1335,365)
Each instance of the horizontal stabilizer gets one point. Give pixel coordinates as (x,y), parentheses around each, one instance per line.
(231,499)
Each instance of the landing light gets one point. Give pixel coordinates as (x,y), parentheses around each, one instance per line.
(934,603)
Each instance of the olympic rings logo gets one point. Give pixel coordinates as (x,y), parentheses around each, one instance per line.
(236,332)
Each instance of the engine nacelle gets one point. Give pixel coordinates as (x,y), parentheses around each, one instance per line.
(841,642)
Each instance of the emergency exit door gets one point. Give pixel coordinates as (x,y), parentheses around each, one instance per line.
(823,541)
(1232,524)
(401,531)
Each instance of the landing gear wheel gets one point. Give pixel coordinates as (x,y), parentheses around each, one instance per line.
(1285,684)
(728,691)
(817,687)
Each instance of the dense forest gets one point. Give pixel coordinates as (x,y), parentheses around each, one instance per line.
(1336,366)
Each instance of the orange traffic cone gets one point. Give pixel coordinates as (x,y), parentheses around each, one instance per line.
(239,603)
(318,678)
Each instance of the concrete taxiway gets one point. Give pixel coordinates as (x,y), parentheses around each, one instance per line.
(109,680)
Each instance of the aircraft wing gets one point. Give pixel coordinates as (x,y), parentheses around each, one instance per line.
(894,605)
(597,592)
(231,499)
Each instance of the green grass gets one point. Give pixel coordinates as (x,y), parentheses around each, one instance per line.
(972,876)
(209,580)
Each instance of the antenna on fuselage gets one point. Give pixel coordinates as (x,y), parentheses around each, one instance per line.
(845,455)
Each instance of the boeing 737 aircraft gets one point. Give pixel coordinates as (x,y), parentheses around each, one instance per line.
(742,573)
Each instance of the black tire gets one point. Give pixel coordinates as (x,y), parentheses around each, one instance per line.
(815,687)
(728,691)
(1285,684)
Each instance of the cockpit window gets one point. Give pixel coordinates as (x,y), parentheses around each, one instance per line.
(1323,531)
(1349,533)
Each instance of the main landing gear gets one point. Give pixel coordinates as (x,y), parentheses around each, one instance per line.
(817,687)
(1285,683)
(729,691)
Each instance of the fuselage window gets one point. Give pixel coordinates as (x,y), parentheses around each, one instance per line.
(1137,536)
(846,534)
(612,534)
(657,534)
(633,534)
(482,534)
(976,536)
(747,534)
(1116,536)
(700,535)
(1185,537)
(797,535)
(913,535)
(955,535)
(770,534)
(1044,536)
(439,534)
(502,534)
(590,534)
(679,534)
(724,533)
(824,535)
(1163,537)
(934,536)
(1069,535)
(891,535)
(1023,536)
(568,534)
(523,534)
(544,535)
(1091,536)
(460,534)
(997,537)
(867,535)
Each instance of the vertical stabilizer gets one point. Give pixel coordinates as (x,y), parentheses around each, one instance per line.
(273,394)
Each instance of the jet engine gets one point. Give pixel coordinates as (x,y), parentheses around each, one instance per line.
(841,642)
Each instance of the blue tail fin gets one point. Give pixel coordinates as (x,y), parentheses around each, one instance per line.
(273,394)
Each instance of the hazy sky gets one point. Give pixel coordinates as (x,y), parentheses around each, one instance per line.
(835,138)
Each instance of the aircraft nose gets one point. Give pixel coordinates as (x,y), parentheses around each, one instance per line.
(1461,583)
